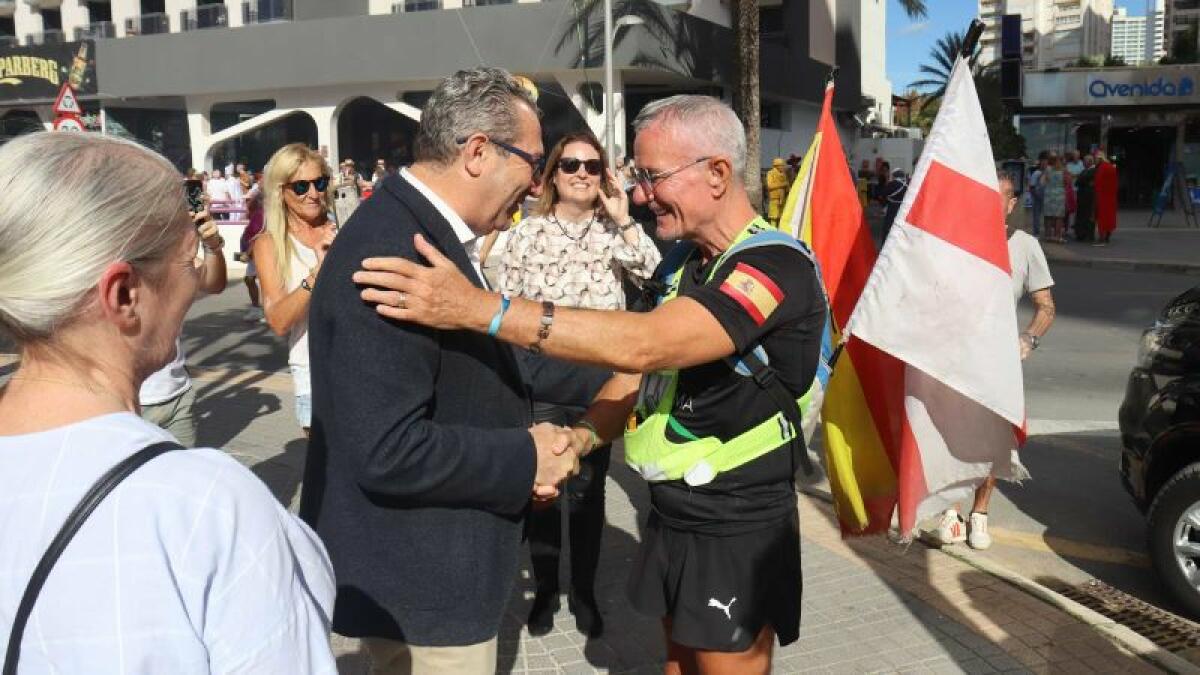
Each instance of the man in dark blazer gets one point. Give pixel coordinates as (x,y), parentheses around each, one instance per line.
(422,461)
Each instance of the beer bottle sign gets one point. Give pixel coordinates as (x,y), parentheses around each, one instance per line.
(78,67)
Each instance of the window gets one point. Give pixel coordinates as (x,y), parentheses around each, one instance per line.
(771,116)
(51,19)
(771,25)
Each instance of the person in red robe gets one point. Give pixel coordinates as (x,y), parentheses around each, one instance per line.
(1106,199)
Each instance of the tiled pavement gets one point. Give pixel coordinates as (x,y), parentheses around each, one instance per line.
(869,605)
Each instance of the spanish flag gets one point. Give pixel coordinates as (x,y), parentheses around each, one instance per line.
(864,395)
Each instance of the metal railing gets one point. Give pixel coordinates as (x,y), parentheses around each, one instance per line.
(204,16)
(266,11)
(96,30)
(53,36)
(485,3)
(403,6)
(148,24)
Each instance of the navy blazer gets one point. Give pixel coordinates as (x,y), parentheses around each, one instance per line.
(420,467)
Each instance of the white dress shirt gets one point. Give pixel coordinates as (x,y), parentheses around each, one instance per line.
(466,236)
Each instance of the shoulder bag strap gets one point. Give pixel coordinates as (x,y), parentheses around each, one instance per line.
(103,486)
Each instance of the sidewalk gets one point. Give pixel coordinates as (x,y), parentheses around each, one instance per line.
(869,605)
(1171,248)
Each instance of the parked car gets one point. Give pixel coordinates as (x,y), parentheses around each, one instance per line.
(1160,429)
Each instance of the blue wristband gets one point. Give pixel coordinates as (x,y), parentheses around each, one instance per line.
(494,326)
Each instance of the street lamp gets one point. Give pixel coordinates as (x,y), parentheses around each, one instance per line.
(609,28)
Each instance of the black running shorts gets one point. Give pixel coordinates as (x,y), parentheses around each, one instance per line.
(719,591)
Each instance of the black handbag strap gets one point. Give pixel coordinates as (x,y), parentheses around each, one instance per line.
(102,487)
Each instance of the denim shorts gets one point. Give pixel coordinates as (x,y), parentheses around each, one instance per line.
(304,410)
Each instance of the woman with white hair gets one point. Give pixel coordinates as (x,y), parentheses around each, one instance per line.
(288,254)
(188,565)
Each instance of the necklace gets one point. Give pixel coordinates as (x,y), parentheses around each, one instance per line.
(67,383)
(586,228)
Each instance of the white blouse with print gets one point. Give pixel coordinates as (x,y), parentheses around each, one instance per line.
(575,264)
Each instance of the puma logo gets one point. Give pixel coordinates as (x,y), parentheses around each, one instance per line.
(713,602)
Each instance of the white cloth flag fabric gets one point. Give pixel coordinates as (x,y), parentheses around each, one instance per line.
(940,299)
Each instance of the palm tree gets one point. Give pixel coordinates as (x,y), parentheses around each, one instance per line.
(944,53)
(915,9)
(746,94)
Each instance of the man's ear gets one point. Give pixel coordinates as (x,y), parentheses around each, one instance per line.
(720,174)
(120,295)
(473,155)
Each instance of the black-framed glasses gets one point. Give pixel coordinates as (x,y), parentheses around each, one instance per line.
(300,187)
(647,179)
(537,163)
(569,165)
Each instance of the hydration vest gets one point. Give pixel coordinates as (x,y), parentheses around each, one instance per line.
(699,460)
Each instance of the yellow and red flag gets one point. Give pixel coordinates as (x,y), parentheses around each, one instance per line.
(864,394)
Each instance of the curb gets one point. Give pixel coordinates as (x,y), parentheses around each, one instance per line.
(1114,632)
(1126,265)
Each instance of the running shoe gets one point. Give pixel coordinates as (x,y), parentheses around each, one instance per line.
(977,532)
(950,529)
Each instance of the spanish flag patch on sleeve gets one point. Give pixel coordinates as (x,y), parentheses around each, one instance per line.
(754,291)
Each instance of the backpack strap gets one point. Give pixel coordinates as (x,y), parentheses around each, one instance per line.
(101,489)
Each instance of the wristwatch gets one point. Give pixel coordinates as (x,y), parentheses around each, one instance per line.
(1033,340)
(219,245)
(627,226)
(305,285)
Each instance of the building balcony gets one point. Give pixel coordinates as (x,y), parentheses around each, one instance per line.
(204,16)
(266,11)
(46,37)
(44,4)
(403,6)
(485,3)
(148,24)
(8,7)
(97,30)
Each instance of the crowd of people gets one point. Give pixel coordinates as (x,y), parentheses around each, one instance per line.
(1073,192)
(450,412)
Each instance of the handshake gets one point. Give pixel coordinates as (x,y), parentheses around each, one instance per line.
(558,451)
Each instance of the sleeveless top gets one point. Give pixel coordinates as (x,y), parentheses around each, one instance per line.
(303,260)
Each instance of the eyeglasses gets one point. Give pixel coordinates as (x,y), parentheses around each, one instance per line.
(300,187)
(647,179)
(570,165)
(537,163)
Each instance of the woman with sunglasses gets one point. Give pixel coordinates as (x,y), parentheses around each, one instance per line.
(289,253)
(576,249)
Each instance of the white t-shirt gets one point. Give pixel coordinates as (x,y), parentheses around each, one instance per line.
(233,185)
(218,189)
(167,383)
(189,566)
(1030,272)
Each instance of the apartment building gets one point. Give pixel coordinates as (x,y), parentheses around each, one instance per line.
(206,82)
(1156,30)
(1129,37)
(1054,33)
(1180,17)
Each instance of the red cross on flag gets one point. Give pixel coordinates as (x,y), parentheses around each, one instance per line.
(940,301)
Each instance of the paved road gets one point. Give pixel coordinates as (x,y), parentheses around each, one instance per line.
(1074,521)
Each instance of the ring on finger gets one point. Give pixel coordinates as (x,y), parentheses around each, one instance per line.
(402,303)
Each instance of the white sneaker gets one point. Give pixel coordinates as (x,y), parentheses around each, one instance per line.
(950,529)
(978,536)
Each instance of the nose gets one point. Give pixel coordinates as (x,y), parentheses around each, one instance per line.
(639,195)
(535,185)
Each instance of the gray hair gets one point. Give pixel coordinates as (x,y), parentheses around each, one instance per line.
(480,100)
(708,122)
(75,203)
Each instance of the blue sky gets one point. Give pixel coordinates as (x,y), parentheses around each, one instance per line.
(909,41)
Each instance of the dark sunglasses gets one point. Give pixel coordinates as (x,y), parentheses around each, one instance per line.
(537,163)
(300,187)
(570,165)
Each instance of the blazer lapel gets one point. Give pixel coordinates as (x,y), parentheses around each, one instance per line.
(431,222)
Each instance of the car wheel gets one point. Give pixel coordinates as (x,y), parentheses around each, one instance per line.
(1174,520)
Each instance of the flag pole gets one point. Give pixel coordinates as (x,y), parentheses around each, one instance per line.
(833,72)
(972,38)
